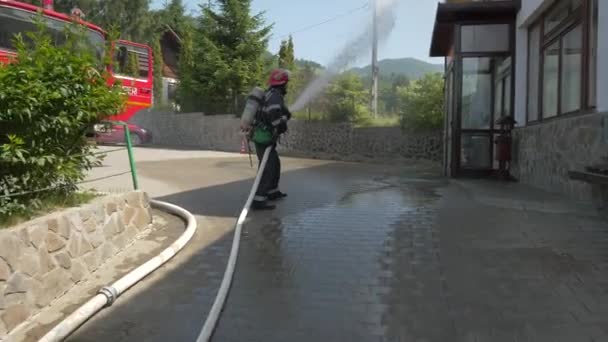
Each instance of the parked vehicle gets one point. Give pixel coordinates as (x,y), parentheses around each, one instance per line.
(132,62)
(110,133)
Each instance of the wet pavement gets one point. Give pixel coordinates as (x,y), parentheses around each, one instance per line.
(371,253)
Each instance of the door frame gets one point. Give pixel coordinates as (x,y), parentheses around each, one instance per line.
(457,131)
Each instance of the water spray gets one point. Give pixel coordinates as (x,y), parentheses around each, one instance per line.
(352,52)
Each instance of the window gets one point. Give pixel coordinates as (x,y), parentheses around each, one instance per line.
(14,21)
(172,92)
(507,96)
(533,73)
(476,93)
(557,75)
(485,38)
(555,17)
(498,98)
(550,80)
(131,61)
(571,71)
(502,87)
(561,12)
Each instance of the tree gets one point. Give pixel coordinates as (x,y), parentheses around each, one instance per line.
(422,102)
(157,54)
(346,100)
(229,45)
(50,98)
(269,63)
(174,15)
(287,58)
(283,54)
(186,90)
(291,55)
(399,80)
(287,61)
(130,17)
(389,92)
(302,77)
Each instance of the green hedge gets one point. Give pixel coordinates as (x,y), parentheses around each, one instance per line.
(49,99)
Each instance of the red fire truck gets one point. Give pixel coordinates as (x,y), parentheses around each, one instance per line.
(17,17)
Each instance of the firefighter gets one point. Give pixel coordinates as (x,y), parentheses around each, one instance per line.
(271,122)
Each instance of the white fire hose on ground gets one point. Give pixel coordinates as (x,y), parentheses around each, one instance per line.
(222,294)
(109,294)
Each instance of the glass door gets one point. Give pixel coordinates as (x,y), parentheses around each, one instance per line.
(485,96)
(476,114)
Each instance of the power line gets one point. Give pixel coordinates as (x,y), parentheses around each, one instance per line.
(339,16)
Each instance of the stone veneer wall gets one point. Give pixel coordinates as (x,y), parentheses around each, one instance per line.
(42,259)
(545,152)
(317,140)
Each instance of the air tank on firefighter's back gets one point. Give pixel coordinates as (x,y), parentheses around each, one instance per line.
(254,101)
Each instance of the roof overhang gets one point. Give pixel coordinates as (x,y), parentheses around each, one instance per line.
(479,11)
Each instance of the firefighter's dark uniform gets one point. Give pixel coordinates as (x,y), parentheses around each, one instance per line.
(274,114)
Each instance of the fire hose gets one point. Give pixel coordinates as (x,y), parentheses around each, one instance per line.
(222,294)
(107,295)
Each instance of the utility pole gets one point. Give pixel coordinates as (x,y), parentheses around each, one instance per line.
(375,68)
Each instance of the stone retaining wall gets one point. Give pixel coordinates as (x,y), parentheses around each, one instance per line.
(42,259)
(305,139)
(545,152)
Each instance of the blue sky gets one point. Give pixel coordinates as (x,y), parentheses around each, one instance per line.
(411,37)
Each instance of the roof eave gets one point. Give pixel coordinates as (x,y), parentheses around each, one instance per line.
(447,15)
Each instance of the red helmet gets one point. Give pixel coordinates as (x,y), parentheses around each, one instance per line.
(278,77)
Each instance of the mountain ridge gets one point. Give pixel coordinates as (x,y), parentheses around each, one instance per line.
(411,67)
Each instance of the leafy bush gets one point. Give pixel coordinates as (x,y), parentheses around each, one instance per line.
(346,100)
(49,98)
(422,103)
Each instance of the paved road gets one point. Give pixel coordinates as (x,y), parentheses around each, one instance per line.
(370,253)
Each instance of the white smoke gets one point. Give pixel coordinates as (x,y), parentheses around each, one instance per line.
(353,51)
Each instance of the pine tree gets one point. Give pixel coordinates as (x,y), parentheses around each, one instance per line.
(131,17)
(289,63)
(186,89)
(283,55)
(228,49)
(291,58)
(287,58)
(158,71)
(172,16)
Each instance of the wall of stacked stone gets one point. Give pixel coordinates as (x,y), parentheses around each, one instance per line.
(544,153)
(304,139)
(42,259)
